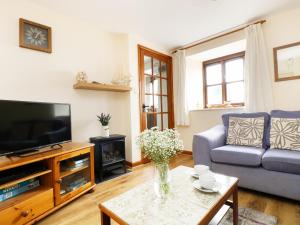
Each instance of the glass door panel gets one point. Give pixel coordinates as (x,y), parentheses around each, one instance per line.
(112,152)
(157,103)
(74,173)
(153,120)
(147,65)
(164,69)
(156,85)
(164,103)
(156,67)
(148,84)
(158,119)
(74,181)
(164,88)
(148,105)
(165,121)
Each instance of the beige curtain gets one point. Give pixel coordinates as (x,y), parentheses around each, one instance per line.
(258,80)
(180,89)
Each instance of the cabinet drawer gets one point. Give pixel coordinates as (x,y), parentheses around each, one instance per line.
(28,209)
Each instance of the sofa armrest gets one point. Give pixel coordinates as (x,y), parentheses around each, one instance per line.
(205,141)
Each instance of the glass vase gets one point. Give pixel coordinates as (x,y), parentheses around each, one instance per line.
(162,180)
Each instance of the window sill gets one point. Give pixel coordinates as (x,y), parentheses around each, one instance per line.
(217,109)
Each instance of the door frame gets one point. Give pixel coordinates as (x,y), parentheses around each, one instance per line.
(162,57)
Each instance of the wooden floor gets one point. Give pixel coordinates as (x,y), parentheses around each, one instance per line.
(84,211)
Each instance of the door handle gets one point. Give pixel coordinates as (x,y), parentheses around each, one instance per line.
(144,107)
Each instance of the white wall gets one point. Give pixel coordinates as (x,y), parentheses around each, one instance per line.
(37,76)
(195,83)
(280,29)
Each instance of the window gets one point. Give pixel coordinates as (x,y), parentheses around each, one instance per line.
(223,81)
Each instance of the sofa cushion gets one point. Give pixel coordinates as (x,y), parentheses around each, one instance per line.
(245,131)
(282,160)
(280,114)
(225,118)
(285,133)
(237,155)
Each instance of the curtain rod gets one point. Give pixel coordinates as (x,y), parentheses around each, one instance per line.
(218,35)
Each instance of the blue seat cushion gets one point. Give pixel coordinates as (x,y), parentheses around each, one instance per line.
(287,161)
(237,155)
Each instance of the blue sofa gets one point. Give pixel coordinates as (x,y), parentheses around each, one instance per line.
(271,171)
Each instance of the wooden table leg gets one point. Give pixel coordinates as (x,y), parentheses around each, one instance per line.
(105,219)
(235,206)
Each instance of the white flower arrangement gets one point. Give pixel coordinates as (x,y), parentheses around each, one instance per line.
(160,146)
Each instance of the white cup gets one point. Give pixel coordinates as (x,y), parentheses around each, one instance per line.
(201,169)
(207,180)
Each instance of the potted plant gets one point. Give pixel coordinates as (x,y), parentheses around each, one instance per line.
(160,146)
(104,120)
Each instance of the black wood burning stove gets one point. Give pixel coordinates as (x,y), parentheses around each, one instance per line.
(109,156)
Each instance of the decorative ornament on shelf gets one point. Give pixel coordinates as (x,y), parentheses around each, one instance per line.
(81,77)
(123,80)
(104,120)
(160,146)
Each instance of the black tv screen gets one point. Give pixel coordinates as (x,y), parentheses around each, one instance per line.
(32,125)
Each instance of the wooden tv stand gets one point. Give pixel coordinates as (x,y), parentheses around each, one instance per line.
(64,175)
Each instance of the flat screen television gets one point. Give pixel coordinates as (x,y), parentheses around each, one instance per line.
(27,126)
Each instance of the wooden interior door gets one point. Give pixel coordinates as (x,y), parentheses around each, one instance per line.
(156,89)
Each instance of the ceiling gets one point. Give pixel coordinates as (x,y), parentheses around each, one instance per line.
(170,23)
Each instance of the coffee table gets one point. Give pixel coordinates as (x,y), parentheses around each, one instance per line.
(184,206)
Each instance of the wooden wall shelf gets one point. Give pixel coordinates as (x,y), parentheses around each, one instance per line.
(101,87)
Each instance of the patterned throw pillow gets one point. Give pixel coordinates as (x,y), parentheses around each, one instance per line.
(285,133)
(246,131)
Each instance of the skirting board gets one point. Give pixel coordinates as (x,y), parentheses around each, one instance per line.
(133,164)
(187,152)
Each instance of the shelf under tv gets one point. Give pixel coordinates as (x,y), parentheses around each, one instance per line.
(31,176)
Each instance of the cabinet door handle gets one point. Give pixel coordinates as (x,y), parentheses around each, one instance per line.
(59,181)
(25,213)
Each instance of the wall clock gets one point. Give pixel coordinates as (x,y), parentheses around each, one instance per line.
(35,36)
